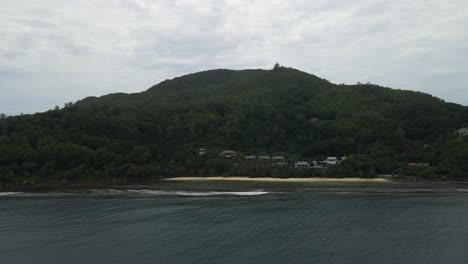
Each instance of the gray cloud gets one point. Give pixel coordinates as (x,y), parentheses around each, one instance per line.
(53,51)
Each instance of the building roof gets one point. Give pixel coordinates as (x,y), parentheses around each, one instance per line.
(228,153)
(302,163)
(250,157)
(264,157)
(278,158)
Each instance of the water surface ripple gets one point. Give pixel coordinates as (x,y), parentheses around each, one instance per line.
(254,226)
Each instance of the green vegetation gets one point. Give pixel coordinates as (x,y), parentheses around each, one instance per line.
(283,111)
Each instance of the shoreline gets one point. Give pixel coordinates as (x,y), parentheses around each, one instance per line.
(286,180)
(240,180)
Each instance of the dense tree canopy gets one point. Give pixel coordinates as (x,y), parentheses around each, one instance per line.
(284,111)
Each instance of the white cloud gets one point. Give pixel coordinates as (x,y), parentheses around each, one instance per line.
(53,51)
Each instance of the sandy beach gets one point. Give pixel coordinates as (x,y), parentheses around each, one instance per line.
(269,179)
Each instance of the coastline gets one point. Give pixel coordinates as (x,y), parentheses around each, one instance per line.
(235,182)
(167,182)
(285,180)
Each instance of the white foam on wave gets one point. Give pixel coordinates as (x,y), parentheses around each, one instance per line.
(8,193)
(112,192)
(193,193)
(107,192)
(252,193)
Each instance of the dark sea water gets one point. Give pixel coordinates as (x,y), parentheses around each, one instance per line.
(330,225)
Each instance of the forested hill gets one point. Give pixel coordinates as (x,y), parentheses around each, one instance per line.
(282,111)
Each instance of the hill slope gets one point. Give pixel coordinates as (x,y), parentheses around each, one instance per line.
(280,111)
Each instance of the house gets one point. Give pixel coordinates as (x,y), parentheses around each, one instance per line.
(264,158)
(281,164)
(229,154)
(316,165)
(280,161)
(414,164)
(424,164)
(302,165)
(462,131)
(202,152)
(331,161)
(250,157)
(314,119)
(278,158)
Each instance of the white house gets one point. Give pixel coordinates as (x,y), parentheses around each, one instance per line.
(302,165)
(229,154)
(278,158)
(264,158)
(331,161)
(463,131)
(250,157)
(202,152)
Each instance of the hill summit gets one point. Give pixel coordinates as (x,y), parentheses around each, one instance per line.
(280,112)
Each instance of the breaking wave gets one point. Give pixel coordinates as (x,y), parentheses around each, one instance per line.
(193,193)
(8,193)
(111,192)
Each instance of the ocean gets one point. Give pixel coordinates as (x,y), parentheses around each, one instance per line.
(238,225)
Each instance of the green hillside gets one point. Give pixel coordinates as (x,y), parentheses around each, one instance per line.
(283,111)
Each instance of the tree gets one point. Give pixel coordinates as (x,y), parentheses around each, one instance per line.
(48,170)
(68,105)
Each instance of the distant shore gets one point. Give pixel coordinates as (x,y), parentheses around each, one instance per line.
(270,179)
(45,186)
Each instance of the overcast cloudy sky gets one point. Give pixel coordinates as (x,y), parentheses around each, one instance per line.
(55,51)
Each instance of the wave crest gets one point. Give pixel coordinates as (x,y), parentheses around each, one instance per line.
(8,193)
(193,193)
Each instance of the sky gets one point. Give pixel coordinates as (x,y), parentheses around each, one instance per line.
(57,51)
